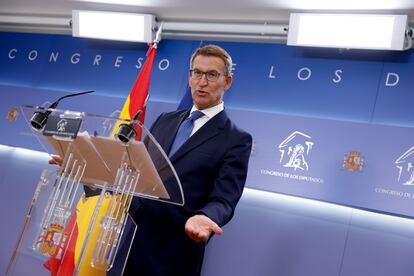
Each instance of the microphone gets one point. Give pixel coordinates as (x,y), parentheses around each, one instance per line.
(39,118)
(126,132)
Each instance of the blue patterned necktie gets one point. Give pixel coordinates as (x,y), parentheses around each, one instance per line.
(184,131)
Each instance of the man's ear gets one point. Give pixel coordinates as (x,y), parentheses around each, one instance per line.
(229,81)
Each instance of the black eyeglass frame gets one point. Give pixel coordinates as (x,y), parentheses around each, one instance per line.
(216,75)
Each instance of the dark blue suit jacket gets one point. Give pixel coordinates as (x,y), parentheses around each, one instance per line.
(212,167)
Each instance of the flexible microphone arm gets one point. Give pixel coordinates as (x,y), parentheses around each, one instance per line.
(140,111)
(39,118)
(54,105)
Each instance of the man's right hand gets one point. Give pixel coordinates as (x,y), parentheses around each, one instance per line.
(199,228)
(56,160)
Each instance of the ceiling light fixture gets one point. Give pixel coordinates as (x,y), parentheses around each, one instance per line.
(350,31)
(113,25)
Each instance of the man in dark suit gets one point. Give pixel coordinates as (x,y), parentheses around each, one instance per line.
(211,165)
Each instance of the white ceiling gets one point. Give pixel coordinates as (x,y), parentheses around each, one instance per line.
(224,12)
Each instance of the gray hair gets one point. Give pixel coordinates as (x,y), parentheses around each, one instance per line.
(214,51)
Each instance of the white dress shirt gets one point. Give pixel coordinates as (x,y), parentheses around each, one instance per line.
(208,114)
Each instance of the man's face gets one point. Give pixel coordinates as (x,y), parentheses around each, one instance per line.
(207,93)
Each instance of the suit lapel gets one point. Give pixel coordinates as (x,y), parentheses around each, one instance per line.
(172,127)
(210,129)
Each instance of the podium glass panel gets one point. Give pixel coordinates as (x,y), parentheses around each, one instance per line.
(64,230)
(95,144)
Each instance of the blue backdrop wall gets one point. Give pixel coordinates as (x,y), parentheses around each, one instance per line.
(329,125)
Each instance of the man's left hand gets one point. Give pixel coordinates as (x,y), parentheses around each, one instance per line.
(200,227)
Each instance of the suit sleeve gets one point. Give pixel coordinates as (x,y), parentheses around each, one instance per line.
(229,184)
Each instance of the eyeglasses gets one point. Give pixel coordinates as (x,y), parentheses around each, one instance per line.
(210,75)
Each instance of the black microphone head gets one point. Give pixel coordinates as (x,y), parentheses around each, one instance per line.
(39,119)
(125,133)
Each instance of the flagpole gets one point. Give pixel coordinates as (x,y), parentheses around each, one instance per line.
(158,35)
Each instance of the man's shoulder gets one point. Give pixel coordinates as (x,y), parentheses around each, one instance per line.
(176,112)
(240,131)
(236,130)
(172,114)
(165,119)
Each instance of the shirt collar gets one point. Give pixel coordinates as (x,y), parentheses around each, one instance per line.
(211,111)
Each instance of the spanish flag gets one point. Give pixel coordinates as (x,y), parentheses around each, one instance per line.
(76,230)
(139,93)
(78,225)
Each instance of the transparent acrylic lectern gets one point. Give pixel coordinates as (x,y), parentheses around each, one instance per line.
(78,217)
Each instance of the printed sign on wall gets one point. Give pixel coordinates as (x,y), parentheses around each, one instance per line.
(355,164)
